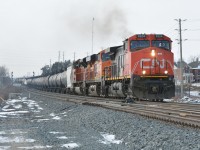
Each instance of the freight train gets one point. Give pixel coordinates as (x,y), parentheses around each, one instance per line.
(142,68)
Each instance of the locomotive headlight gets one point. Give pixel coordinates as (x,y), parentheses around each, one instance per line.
(153,53)
(166,72)
(143,72)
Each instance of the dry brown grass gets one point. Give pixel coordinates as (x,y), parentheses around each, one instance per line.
(4,91)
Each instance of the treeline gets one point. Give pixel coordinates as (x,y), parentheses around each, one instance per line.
(57,67)
(5,83)
(4,77)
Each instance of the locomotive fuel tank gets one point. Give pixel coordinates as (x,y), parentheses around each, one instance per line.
(78,90)
(93,90)
(116,89)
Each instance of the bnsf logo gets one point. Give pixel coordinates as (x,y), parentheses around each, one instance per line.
(147,63)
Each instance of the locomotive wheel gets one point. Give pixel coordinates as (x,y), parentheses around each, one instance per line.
(64,91)
(85,91)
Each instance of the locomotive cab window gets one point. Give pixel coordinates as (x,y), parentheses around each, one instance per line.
(105,57)
(139,44)
(161,44)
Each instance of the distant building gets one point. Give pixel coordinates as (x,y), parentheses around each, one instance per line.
(195,69)
(188,76)
(4,81)
(1,82)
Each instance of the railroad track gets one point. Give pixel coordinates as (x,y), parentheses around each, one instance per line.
(179,113)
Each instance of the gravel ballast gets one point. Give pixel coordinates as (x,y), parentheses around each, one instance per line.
(44,123)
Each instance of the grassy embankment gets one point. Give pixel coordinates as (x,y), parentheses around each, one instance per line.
(4,91)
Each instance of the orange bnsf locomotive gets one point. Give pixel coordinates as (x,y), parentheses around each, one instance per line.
(141,68)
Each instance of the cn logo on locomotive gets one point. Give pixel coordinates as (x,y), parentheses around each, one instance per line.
(147,63)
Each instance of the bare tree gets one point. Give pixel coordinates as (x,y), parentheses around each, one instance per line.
(4,71)
(193,58)
(5,80)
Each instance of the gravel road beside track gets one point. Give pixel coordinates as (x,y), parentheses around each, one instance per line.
(43,123)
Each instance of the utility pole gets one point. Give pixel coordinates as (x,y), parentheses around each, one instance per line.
(181,58)
(58,56)
(74,56)
(50,66)
(63,56)
(12,77)
(92,33)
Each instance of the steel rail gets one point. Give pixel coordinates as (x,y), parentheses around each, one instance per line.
(171,112)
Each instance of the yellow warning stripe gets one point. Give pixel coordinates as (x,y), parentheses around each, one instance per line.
(117,78)
(154,76)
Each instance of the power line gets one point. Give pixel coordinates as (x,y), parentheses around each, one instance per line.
(194,20)
(194,30)
(170,29)
(92,33)
(194,40)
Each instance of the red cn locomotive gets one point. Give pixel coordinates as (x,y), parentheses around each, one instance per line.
(141,68)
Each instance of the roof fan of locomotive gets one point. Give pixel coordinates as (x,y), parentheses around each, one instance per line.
(112,51)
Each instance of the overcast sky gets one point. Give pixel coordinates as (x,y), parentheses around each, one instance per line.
(33,31)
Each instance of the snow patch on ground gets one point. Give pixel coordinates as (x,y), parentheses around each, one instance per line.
(168,100)
(13,132)
(1,116)
(13,113)
(19,139)
(194,98)
(70,145)
(62,137)
(56,118)
(196,84)
(40,120)
(52,115)
(186,99)
(194,93)
(5,147)
(6,106)
(109,139)
(2,132)
(19,107)
(54,132)
(35,147)
(63,113)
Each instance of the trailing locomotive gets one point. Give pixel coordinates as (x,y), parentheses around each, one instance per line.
(140,68)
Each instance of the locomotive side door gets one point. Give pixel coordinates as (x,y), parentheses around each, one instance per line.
(120,65)
(126,58)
